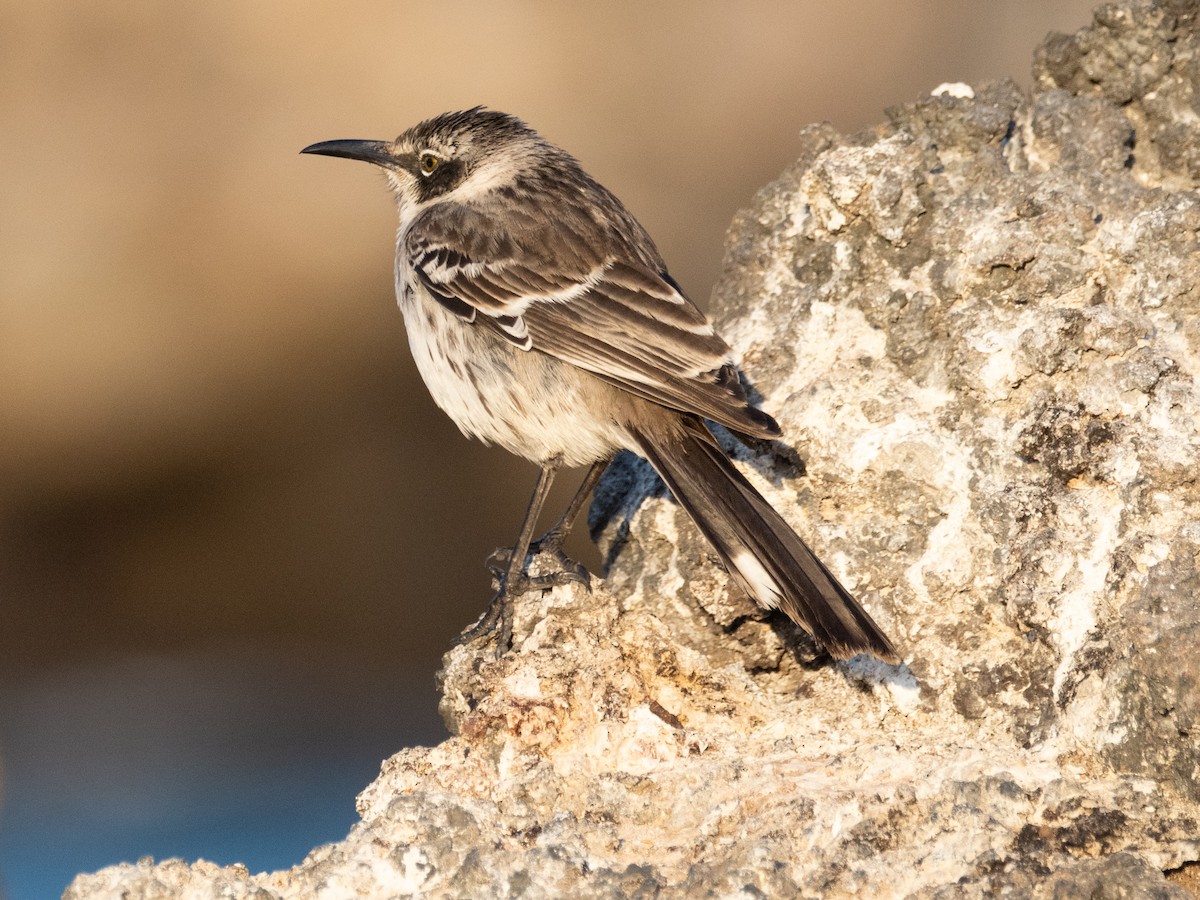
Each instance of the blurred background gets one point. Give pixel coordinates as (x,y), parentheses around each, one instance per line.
(235,534)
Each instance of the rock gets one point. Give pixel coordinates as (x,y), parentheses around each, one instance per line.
(980,324)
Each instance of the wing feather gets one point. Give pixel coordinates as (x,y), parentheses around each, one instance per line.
(621,318)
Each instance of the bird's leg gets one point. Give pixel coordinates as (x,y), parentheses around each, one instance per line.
(499,616)
(552,541)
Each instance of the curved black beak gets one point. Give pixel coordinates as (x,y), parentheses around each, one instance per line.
(377,152)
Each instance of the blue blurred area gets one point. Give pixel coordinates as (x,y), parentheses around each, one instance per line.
(228,755)
(268,824)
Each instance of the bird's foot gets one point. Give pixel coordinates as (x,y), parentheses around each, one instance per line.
(496,621)
(562,571)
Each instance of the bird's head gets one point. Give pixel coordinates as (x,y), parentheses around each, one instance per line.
(457,155)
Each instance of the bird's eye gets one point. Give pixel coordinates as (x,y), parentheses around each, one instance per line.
(429,163)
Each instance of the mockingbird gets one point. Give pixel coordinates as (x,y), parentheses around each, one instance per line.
(543,319)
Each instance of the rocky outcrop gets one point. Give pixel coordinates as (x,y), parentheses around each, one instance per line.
(980,326)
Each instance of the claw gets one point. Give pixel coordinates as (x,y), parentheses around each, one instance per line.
(564,570)
(485,625)
(499,616)
(496,621)
(497,562)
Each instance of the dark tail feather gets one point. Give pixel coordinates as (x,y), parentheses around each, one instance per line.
(759,548)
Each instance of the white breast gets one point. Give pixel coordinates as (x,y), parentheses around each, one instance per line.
(525,401)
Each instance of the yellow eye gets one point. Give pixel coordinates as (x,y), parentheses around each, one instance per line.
(429,163)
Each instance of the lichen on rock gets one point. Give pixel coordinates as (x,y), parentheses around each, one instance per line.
(980,325)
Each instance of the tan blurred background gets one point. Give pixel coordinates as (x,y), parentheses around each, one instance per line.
(235,535)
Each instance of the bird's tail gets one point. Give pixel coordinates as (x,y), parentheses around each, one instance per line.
(758,547)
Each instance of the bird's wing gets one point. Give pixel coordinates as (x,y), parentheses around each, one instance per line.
(617,318)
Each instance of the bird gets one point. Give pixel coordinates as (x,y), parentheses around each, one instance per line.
(543,319)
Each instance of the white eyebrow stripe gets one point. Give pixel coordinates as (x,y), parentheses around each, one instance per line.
(495,171)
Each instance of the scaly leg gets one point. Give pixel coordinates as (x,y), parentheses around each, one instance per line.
(499,616)
(552,541)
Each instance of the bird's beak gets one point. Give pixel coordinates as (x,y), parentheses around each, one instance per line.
(377,152)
